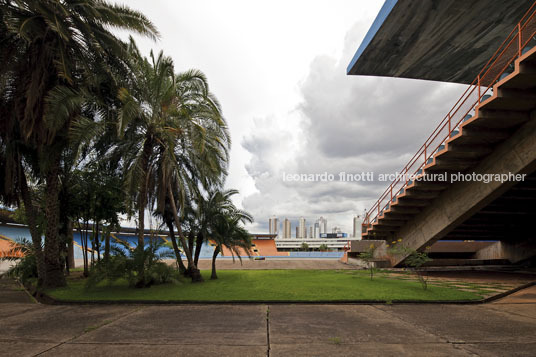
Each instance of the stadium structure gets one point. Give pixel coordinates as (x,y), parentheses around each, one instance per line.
(263,245)
(489,132)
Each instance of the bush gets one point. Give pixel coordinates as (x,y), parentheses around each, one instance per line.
(414,259)
(141,268)
(368,257)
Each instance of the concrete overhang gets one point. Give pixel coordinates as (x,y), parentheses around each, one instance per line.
(440,40)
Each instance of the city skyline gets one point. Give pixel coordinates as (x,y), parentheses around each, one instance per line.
(283,227)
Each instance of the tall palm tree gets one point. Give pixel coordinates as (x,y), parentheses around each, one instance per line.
(175,140)
(61,44)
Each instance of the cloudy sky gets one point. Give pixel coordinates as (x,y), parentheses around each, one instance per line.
(279,70)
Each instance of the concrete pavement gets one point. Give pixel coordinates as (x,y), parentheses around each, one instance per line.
(504,328)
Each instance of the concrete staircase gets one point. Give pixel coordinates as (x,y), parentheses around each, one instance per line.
(500,138)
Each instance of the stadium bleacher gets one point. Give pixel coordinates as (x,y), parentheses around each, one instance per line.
(264,248)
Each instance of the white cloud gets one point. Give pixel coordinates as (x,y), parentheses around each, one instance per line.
(348,124)
(278,68)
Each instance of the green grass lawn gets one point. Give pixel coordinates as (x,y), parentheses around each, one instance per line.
(269,285)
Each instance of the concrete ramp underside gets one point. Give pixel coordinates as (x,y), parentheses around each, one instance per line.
(499,139)
(446,40)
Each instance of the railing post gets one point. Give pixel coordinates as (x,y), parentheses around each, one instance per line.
(478,89)
(449,125)
(391,194)
(519,40)
(424,154)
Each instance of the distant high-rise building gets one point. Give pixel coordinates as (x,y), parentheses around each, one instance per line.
(317,230)
(336,229)
(323,225)
(287,229)
(311,232)
(302,231)
(297,232)
(356,232)
(274,225)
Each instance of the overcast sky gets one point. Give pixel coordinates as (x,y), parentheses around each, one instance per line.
(279,71)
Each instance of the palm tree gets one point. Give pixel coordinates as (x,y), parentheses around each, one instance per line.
(176,141)
(61,45)
(209,209)
(221,221)
(230,234)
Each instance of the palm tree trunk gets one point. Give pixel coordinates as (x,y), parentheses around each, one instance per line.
(93,245)
(142,203)
(176,250)
(141,220)
(70,256)
(142,199)
(213,276)
(54,275)
(106,256)
(191,239)
(196,274)
(83,242)
(198,245)
(32,225)
(97,243)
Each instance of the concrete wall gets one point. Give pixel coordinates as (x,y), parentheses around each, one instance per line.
(514,252)
(359,246)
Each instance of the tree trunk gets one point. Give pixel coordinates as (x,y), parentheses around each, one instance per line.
(198,245)
(107,245)
(213,276)
(191,239)
(97,243)
(93,245)
(69,258)
(141,220)
(176,250)
(196,274)
(31,216)
(83,243)
(142,203)
(142,199)
(54,275)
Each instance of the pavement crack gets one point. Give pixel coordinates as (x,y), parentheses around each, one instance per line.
(509,312)
(268,331)
(457,344)
(89,329)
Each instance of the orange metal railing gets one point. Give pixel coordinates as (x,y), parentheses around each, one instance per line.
(511,49)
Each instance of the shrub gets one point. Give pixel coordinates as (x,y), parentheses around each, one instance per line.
(119,265)
(368,257)
(414,260)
